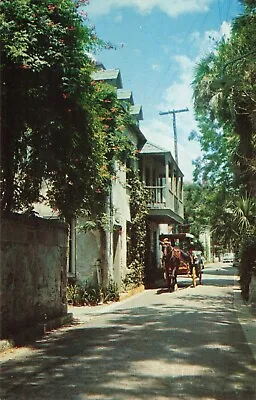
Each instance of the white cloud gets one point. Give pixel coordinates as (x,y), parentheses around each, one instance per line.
(160,131)
(226,29)
(206,43)
(119,18)
(172,8)
(179,96)
(156,67)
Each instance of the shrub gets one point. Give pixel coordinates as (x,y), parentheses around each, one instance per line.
(75,295)
(80,294)
(111,293)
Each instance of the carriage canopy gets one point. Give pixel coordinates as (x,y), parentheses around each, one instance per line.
(184,241)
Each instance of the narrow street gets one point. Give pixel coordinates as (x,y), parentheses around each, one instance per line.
(156,345)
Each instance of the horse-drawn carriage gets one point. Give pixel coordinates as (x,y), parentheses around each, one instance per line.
(178,259)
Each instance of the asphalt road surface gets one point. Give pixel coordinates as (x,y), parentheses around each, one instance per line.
(156,345)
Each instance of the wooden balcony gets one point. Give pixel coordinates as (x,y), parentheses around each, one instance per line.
(164,205)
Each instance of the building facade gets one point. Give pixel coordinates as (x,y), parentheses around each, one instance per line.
(164,181)
(99,255)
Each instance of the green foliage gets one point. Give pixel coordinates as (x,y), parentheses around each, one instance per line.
(67,131)
(46,85)
(80,294)
(111,122)
(197,212)
(75,295)
(224,99)
(249,3)
(204,206)
(136,232)
(218,148)
(110,293)
(233,217)
(244,209)
(229,215)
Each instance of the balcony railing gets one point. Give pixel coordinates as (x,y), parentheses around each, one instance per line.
(162,197)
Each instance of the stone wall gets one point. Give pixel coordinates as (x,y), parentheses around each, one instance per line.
(33,272)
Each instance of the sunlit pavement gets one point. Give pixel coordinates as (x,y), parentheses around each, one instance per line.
(156,345)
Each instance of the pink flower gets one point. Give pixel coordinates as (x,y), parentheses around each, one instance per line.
(51,7)
(83,14)
(24,66)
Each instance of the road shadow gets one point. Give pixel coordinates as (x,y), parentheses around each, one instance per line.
(187,346)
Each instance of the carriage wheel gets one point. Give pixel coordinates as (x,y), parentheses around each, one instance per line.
(199,273)
(168,282)
(194,276)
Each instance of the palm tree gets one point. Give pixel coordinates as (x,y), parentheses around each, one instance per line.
(225,93)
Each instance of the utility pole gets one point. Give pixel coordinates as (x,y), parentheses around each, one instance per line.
(173,113)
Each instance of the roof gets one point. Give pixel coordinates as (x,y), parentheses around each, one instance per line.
(177,236)
(112,76)
(140,136)
(136,110)
(126,95)
(153,148)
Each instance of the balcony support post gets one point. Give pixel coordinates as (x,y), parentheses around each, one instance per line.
(167,180)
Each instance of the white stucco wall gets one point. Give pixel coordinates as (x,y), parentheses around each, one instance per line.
(87,254)
(121,207)
(120,197)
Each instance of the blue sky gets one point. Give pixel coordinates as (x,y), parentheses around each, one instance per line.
(158,43)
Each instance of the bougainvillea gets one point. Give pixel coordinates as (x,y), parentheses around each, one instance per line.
(58,127)
(137,231)
(47,123)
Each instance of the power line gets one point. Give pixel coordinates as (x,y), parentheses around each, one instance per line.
(170,66)
(220,16)
(228,9)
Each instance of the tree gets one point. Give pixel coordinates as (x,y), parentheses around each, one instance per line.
(224,100)
(251,4)
(47,133)
(224,96)
(196,210)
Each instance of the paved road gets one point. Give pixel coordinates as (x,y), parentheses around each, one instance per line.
(156,345)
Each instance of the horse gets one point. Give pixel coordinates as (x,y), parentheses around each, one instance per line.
(175,261)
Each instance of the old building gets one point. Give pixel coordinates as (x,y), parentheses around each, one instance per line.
(97,256)
(164,181)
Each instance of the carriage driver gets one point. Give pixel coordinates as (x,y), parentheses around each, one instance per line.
(164,245)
